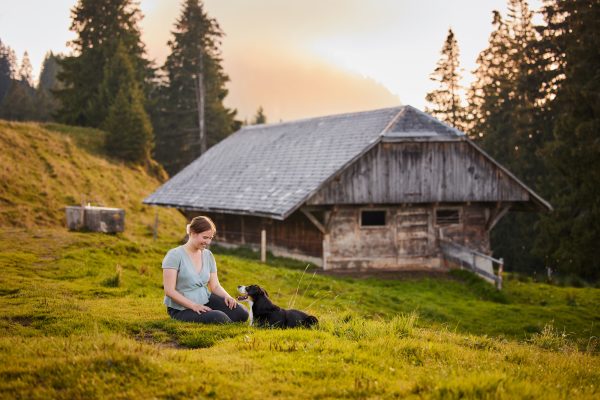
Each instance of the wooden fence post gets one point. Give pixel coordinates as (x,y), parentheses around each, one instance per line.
(263,246)
(325,250)
(500,271)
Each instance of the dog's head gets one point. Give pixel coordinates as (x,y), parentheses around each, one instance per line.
(253,292)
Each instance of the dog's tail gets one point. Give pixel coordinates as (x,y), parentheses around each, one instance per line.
(310,321)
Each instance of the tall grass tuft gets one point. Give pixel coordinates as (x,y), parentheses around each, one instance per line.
(116,279)
(404,324)
(552,339)
(353,327)
(292,301)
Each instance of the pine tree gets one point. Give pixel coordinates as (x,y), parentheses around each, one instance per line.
(260,117)
(128,125)
(46,102)
(570,235)
(7,69)
(25,73)
(100,26)
(19,102)
(193,92)
(49,73)
(447,99)
(504,98)
(531,122)
(510,123)
(490,92)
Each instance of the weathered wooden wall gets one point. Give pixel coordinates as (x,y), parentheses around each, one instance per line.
(409,240)
(472,231)
(421,172)
(297,235)
(355,248)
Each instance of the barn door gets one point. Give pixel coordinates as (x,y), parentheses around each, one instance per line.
(413,232)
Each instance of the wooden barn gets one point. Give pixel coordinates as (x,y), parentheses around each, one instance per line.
(388,189)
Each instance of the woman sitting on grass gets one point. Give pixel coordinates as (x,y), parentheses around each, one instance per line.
(192,289)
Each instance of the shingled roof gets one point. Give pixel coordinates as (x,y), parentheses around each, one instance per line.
(271,170)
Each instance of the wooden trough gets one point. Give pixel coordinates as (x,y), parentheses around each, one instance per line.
(95,219)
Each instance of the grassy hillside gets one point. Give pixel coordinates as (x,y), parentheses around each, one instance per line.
(47,167)
(82,316)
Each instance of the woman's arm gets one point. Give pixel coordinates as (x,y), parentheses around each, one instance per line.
(169,282)
(215,287)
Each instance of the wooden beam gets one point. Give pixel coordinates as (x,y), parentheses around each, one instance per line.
(497,215)
(329,217)
(314,220)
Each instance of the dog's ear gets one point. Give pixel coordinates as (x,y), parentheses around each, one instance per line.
(263,291)
(253,290)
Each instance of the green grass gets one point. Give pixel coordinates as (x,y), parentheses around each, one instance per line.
(82,318)
(82,314)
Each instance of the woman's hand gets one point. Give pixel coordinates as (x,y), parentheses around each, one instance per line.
(200,308)
(216,288)
(230,302)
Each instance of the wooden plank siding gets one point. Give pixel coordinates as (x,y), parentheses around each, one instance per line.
(296,236)
(408,240)
(471,230)
(420,172)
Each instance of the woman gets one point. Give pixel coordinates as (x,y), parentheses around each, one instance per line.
(192,289)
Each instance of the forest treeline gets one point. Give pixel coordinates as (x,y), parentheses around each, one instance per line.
(170,113)
(533,106)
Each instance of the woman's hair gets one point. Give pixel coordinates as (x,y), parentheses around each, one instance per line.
(201,224)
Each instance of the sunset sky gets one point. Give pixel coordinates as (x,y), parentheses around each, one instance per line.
(296,58)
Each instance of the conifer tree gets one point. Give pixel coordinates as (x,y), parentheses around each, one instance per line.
(260,117)
(530,120)
(193,93)
(19,102)
(508,122)
(503,98)
(25,73)
(7,69)
(490,91)
(570,235)
(128,125)
(447,100)
(49,73)
(100,25)
(46,102)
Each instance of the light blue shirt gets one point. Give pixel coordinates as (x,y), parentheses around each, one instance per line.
(191,284)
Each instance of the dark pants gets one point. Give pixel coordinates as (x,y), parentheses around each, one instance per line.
(220,313)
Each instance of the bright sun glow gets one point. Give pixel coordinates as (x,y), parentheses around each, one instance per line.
(297,58)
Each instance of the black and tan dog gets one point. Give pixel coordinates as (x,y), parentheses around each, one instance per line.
(265,313)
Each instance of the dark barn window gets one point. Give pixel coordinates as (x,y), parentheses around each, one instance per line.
(447,216)
(372,218)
